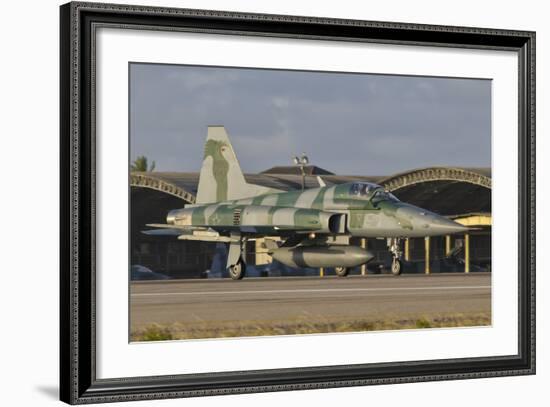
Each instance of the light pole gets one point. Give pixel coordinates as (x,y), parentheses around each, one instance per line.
(302,162)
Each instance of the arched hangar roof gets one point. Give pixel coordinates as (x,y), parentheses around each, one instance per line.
(448,191)
(178,184)
(476,176)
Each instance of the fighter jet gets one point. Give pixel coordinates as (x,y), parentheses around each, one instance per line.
(301,228)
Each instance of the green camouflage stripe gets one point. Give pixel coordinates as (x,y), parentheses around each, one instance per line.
(318,202)
(341,193)
(391,210)
(258,200)
(220,166)
(197,216)
(288,199)
(306,218)
(357,218)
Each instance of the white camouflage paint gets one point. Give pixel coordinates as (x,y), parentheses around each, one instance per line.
(306,198)
(284,216)
(255,215)
(270,200)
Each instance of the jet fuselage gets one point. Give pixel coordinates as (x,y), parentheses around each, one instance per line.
(358,209)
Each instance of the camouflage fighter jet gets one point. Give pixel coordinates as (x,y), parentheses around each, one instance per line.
(302,228)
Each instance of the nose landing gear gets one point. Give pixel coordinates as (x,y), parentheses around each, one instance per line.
(394,246)
(396,266)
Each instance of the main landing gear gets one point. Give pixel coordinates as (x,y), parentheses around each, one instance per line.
(394,246)
(237,271)
(236,266)
(341,271)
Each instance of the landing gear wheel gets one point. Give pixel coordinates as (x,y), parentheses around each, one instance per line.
(396,267)
(341,271)
(236,271)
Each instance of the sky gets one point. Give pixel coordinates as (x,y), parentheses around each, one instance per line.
(349,124)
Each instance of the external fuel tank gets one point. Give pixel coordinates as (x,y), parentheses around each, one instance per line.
(322,256)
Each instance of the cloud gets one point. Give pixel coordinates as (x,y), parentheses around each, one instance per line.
(346,123)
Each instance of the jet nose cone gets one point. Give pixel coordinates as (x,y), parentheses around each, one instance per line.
(431,224)
(443,226)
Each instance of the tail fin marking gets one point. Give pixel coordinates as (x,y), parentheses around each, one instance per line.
(221,177)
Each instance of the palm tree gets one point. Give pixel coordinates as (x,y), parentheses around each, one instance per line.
(140,164)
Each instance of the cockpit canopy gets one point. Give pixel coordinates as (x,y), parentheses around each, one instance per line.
(362,189)
(380,195)
(368,191)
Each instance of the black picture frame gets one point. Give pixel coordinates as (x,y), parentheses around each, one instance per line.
(78,382)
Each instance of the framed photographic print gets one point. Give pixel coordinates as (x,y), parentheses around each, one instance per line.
(255,203)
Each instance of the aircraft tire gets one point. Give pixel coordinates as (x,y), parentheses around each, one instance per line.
(396,267)
(341,271)
(236,271)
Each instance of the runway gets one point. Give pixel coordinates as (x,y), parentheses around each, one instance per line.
(267,300)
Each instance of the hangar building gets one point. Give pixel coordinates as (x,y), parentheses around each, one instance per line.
(462,194)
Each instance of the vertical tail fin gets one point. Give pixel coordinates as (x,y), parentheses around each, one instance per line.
(221,178)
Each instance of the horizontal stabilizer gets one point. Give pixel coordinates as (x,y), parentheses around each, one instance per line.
(162,229)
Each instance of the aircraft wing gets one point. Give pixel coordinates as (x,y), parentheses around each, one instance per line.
(222,233)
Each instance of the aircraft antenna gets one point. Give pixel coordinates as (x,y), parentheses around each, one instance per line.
(302,161)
